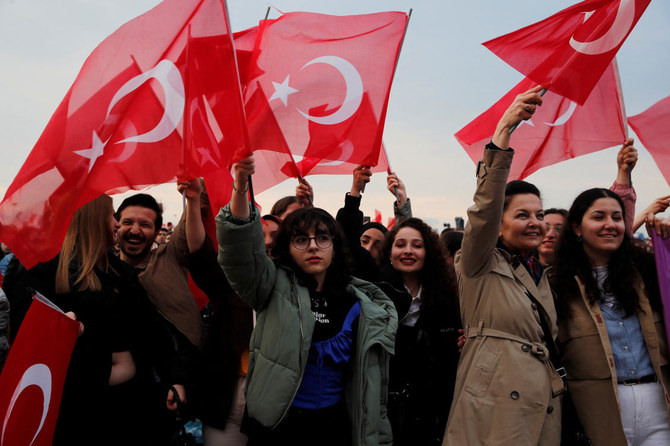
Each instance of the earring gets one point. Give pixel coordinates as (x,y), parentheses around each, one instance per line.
(579,237)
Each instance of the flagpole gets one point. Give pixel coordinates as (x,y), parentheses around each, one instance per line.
(624,123)
(395,66)
(187,114)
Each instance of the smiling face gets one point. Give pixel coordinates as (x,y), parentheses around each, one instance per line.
(136,233)
(408,252)
(523,225)
(554,224)
(602,229)
(113,227)
(313,261)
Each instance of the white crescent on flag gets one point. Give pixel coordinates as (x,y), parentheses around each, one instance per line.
(354,90)
(36,375)
(623,22)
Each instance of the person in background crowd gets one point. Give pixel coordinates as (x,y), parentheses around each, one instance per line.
(614,345)
(161,237)
(554,219)
(7,257)
(366,241)
(4,327)
(422,286)
(270,227)
(316,375)
(451,240)
(507,390)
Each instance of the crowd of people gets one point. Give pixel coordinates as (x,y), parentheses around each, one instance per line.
(528,327)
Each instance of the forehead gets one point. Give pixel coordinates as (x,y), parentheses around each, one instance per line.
(374,234)
(138,213)
(525,201)
(554,219)
(608,204)
(408,233)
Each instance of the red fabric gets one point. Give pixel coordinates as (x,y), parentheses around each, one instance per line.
(31,384)
(391,223)
(652,129)
(127,104)
(569,51)
(576,130)
(378,216)
(327,80)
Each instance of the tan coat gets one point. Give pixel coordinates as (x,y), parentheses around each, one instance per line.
(589,362)
(503,392)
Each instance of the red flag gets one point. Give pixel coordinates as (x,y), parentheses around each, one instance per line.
(651,127)
(559,130)
(31,384)
(390,223)
(569,51)
(120,124)
(378,216)
(316,70)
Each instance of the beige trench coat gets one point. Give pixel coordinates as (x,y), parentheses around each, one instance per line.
(589,362)
(505,385)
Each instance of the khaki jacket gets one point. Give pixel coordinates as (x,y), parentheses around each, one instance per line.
(589,362)
(505,384)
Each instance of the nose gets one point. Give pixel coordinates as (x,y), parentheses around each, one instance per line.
(312,244)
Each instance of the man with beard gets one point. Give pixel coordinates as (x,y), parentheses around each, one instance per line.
(162,272)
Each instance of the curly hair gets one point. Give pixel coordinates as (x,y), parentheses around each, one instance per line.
(300,222)
(571,261)
(437,278)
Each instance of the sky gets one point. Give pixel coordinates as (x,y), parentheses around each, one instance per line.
(444,79)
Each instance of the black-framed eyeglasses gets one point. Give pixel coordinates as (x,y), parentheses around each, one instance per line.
(302,242)
(557,228)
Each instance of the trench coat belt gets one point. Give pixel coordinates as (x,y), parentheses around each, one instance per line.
(537,349)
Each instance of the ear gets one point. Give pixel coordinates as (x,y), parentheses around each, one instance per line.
(577,229)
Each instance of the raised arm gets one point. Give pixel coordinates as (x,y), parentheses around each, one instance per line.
(485,216)
(195,228)
(626,160)
(242,254)
(656,207)
(402,208)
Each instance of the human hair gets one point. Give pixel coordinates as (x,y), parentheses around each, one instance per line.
(270,217)
(518,187)
(571,260)
(437,279)
(301,222)
(145,201)
(451,241)
(282,204)
(85,245)
(562,212)
(374,225)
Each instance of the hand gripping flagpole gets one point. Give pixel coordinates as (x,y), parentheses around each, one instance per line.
(517,125)
(624,122)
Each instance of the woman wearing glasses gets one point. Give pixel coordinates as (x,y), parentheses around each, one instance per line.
(318,365)
(555,219)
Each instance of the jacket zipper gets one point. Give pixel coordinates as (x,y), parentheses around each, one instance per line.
(294,291)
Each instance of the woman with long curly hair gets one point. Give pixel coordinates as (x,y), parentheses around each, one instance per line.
(614,346)
(318,357)
(422,286)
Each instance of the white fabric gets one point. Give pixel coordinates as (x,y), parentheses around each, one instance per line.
(413,313)
(644,416)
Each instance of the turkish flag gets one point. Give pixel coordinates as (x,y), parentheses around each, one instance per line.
(31,384)
(559,130)
(120,125)
(652,129)
(325,77)
(569,51)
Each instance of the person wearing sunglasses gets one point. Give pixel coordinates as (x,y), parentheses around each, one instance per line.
(555,219)
(319,354)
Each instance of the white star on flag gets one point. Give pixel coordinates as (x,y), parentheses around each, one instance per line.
(95,152)
(282,91)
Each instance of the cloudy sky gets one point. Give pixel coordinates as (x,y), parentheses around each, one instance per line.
(445,78)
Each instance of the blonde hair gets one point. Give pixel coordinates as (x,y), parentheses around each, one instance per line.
(86,243)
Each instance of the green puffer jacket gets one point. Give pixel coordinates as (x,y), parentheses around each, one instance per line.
(281,340)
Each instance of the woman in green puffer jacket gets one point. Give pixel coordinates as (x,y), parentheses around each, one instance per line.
(319,354)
